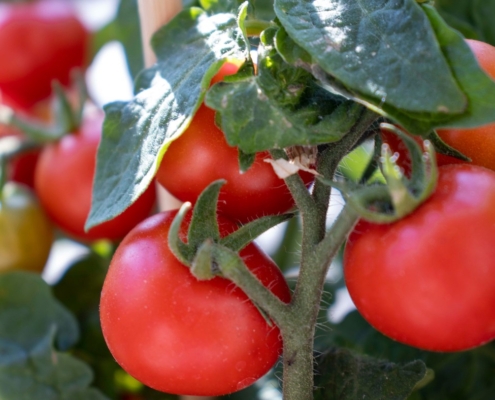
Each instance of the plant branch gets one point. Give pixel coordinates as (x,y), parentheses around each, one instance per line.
(335,237)
(333,154)
(315,267)
(233,268)
(318,249)
(298,339)
(297,188)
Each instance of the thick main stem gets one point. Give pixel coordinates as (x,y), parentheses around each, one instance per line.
(298,336)
(298,363)
(318,250)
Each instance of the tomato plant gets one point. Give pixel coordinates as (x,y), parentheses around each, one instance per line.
(428,280)
(26,234)
(180,335)
(43,41)
(201,155)
(326,75)
(64,180)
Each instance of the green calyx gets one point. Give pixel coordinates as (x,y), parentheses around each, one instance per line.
(204,233)
(401,195)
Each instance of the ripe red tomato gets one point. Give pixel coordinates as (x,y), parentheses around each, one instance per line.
(476,143)
(180,335)
(42,41)
(21,167)
(202,155)
(404,161)
(428,280)
(64,180)
(229,68)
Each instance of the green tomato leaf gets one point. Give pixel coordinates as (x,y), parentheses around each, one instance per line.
(28,311)
(280,107)
(458,376)
(129,34)
(246,160)
(83,301)
(40,372)
(262,9)
(479,88)
(345,375)
(382,49)
(458,15)
(190,50)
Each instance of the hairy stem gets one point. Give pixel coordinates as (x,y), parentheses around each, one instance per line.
(234,269)
(298,338)
(318,250)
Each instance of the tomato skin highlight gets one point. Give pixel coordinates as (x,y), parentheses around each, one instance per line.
(201,155)
(42,41)
(26,234)
(428,280)
(64,182)
(180,335)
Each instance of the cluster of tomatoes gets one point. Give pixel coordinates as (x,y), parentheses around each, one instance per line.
(169,330)
(428,280)
(164,327)
(60,173)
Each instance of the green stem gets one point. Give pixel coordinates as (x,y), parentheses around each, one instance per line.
(296,186)
(234,269)
(296,320)
(318,250)
(298,337)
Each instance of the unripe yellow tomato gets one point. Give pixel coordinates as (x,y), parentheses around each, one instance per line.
(26,234)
